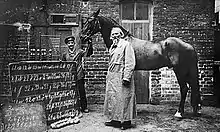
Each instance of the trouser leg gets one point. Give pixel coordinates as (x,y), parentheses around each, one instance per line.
(82,94)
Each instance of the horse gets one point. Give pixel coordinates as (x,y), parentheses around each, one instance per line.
(171,52)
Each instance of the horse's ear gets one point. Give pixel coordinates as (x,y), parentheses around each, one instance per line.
(96,13)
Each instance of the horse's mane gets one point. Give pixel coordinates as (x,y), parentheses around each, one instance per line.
(111,21)
(115,23)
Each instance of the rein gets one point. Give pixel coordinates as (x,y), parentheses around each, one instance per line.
(88,47)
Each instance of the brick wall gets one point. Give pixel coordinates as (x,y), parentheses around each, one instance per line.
(96,71)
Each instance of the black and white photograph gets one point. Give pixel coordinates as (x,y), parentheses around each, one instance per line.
(109,65)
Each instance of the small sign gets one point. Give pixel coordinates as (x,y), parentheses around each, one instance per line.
(26,117)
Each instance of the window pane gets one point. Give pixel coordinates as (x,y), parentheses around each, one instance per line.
(57,18)
(142,11)
(70,19)
(128,11)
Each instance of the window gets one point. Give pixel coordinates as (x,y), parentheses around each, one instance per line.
(57,18)
(141,11)
(128,11)
(137,10)
(137,17)
(64,19)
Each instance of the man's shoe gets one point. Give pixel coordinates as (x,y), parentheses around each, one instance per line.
(126,125)
(108,123)
(113,123)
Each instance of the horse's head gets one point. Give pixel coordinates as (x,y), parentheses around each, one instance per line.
(90,27)
(95,24)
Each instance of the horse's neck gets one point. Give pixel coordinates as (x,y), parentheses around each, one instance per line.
(106,37)
(108,43)
(106,26)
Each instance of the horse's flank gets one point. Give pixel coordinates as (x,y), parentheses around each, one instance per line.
(149,56)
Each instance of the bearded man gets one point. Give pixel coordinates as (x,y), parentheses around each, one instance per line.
(120,100)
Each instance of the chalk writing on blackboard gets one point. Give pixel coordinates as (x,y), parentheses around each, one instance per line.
(24,117)
(47,97)
(31,89)
(62,114)
(50,82)
(41,76)
(45,66)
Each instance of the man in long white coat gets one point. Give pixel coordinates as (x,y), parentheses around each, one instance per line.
(120,100)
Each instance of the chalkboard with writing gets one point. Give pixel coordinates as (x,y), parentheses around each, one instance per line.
(51,82)
(28,117)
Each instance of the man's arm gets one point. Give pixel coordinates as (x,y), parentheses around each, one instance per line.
(129,63)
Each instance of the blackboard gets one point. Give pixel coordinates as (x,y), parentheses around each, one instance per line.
(27,117)
(50,82)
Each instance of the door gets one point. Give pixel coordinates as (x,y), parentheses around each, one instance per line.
(141,80)
(136,18)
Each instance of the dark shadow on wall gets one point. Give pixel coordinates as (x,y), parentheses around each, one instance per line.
(216,67)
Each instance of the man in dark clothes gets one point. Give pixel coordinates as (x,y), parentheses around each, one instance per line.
(75,53)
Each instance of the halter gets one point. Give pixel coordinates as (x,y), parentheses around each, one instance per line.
(94,27)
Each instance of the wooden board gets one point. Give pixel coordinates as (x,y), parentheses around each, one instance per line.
(24,118)
(50,82)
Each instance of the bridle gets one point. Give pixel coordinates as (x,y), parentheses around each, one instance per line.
(91,31)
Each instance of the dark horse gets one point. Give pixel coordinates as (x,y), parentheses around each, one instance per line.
(172,53)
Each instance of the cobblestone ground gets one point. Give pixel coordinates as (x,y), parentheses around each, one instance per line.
(151,118)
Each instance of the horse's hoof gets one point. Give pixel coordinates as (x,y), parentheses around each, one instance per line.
(197,110)
(197,113)
(178,115)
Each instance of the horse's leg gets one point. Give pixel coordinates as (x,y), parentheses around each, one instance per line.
(195,92)
(181,77)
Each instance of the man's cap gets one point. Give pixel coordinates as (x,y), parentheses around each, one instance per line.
(70,38)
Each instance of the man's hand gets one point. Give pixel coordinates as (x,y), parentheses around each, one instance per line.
(126,83)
